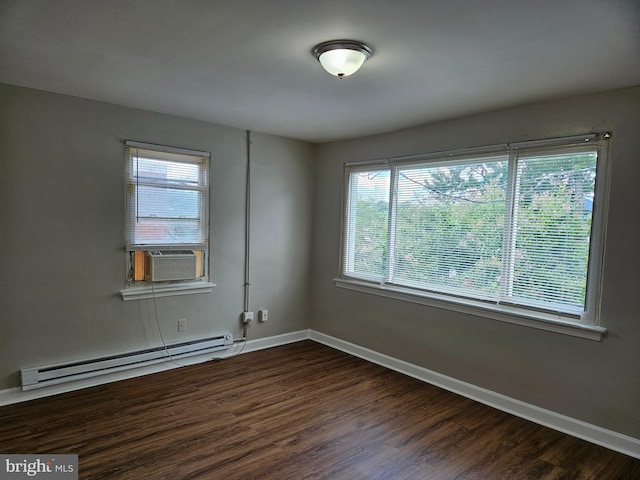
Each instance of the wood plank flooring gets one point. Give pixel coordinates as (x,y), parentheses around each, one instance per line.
(299,411)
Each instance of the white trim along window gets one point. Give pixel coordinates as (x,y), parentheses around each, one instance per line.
(513,231)
(166,216)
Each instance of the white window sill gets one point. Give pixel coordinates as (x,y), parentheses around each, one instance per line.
(539,320)
(165,290)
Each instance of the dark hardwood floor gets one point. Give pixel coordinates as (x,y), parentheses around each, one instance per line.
(299,411)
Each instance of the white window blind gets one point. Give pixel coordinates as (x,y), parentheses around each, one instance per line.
(513,227)
(551,229)
(167,197)
(449,226)
(367,223)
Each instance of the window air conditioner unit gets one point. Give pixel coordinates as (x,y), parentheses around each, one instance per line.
(162,266)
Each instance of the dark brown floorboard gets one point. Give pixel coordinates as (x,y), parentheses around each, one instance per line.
(299,411)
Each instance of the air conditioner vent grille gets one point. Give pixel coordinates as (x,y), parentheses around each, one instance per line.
(162,266)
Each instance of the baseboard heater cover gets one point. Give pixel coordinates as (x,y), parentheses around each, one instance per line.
(55,374)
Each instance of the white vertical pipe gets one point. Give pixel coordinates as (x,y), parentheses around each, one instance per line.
(247,228)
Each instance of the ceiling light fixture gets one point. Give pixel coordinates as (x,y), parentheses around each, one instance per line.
(342,57)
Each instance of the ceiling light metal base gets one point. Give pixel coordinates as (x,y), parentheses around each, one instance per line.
(342,45)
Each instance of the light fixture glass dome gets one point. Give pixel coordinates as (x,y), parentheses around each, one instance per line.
(342,57)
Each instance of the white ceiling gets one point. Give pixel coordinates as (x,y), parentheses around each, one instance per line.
(248,63)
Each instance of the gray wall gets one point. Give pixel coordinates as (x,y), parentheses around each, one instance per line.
(62,233)
(597,382)
(62,260)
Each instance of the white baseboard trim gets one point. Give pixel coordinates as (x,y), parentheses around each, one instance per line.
(16,395)
(577,428)
(276,340)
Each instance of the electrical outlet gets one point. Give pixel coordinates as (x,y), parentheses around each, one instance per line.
(247,317)
(182,325)
(264,315)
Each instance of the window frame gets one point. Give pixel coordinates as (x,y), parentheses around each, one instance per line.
(585,325)
(142,288)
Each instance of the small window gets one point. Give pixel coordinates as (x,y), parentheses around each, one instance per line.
(166,214)
(516,228)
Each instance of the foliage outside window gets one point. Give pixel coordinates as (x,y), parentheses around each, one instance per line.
(166,206)
(509,227)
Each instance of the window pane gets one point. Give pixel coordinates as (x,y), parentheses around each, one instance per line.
(168,202)
(552,228)
(167,197)
(449,227)
(367,223)
(170,172)
(163,231)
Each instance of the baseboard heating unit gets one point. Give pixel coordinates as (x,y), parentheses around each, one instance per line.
(54,374)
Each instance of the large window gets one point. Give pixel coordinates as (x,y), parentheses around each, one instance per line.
(166,214)
(515,228)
